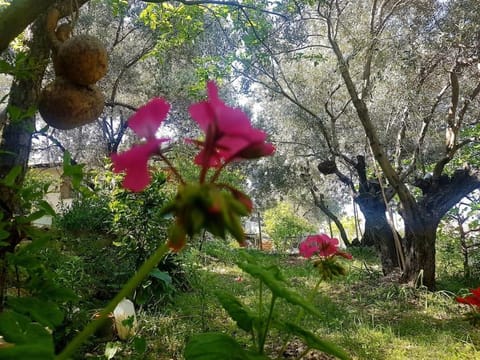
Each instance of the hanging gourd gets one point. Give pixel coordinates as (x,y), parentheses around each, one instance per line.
(72,99)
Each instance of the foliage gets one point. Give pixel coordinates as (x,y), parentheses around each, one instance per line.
(257,323)
(284,226)
(28,318)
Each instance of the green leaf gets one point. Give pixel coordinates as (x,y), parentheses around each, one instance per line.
(44,312)
(315,342)
(161,275)
(31,340)
(277,287)
(140,344)
(31,217)
(212,346)
(27,351)
(236,310)
(75,172)
(9,179)
(46,207)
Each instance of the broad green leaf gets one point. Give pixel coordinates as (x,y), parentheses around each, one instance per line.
(40,351)
(140,344)
(4,234)
(31,217)
(278,288)
(236,310)
(31,340)
(44,312)
(161,275)
(212,346)
(315,342)
(46,207)
(75,172)
(9,179)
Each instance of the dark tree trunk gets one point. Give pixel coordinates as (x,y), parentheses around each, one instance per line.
(16,136)
(420,253)
(378,231)
(421,222)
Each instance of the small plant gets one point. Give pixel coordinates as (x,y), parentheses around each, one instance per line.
(323,251)
(258,322)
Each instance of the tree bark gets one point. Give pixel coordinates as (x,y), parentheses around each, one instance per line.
(15,142)
(318,200)
(378,231)
(16,136)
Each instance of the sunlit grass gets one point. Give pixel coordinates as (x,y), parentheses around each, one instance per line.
(369,317)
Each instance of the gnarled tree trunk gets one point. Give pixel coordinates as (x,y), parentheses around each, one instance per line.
(378,231)
(439,196)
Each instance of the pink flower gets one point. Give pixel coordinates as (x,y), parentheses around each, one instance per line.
(134,163)
(321,245)
(148,118)
(229,134)
(473,299)
(145,123)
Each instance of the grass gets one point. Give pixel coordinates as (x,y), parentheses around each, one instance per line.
(367,315)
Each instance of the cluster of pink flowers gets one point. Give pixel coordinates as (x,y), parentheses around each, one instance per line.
(229,136)
(321,245)
(206,204)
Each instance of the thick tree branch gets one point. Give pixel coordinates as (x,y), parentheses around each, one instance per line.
(21,13)
(320,203)
(17,16)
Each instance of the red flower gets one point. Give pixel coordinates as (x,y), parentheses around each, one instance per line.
(229,134)
(145,123)
(322,245)
(473,299)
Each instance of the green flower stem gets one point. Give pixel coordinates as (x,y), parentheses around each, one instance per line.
(267,325)
(126,290)
(301,312)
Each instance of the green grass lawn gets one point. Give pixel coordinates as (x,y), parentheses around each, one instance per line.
(369,316)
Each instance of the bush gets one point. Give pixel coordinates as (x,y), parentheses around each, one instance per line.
(85,215)
(284,226)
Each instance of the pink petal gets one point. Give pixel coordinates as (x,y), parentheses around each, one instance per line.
(203,114)
(148,118)
(308,247)
(208,160)
(134,163)
(212,92)
(233,121)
